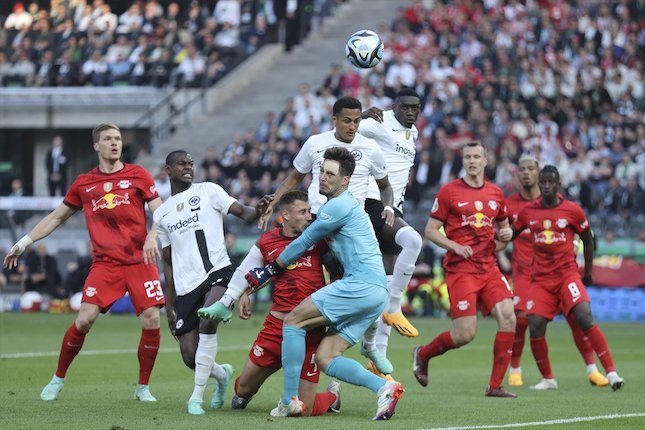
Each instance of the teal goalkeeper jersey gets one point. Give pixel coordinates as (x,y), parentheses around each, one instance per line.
(345,225)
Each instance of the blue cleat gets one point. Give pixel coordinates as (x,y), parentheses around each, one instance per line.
(220,388)
(142,393)
(195,407)
(51,390)
(216,311)
(381,362)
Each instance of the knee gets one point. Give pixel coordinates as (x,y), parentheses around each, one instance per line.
(508,321)
(84,324)
(584,320)
(408,238)
(150,318)
(291,319)
(323,360)
(463,336)
(537,326)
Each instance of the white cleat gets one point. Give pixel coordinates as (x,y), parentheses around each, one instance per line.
(388,397)
(142,393)
(51,390)
(334,388)
(295,408)
(545,384)
(615,381)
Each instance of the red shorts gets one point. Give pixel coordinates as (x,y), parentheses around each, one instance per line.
(267,348)
(521,286)
(468,290)
(549,297)
(108,282)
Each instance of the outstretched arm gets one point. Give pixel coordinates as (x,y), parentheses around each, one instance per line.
(43,229)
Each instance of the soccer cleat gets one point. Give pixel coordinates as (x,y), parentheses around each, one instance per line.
(615,381)
(400,324)
(419,367)
(515,379)
(51,390)
(295,408)
(372,368)
(388,397)
(499,392)
(238,402)
(545,384)
(216,311)
(142,393)
(597,379)
(380,361)
(195,407)
(334,388)
(220,387)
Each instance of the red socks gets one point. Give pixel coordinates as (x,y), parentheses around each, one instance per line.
(521,324)
(502,351)
(582,341)
(148,349)
(322,402)
(541,353)
(438,346)
(72,344)
(599,344)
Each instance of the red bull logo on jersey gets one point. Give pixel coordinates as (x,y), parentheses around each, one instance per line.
(301,262)
(477,220)
(110,201)
(548,237)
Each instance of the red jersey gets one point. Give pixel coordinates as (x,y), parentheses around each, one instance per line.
(552,231)
(113,204)
(523,244)
(301,279)
(469,215)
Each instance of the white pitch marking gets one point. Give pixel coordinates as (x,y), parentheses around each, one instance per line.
(544,423)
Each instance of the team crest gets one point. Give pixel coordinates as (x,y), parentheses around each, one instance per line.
(90,292)
(179,324)
(180,207)
(124,183)
(561,223)
(194,201)
(258,351)
(357,154)
(463,305)
(492,204)
(107,187)
(547,224)
(479,205)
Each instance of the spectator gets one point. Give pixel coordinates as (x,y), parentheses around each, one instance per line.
(18,19)
(42,273)
(19,217)
(56,162)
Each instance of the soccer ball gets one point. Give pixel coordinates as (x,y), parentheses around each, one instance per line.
(364,49)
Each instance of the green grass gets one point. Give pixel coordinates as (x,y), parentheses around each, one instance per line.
(99,387)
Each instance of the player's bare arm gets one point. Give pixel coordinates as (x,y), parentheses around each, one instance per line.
(294,179)
(43,229)
(169,292)
(247,213)
(587,240)
(375,113)
(433,233)
(150,248)
(387,198)
(244,306)
(504,231)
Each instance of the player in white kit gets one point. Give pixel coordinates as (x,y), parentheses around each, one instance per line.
(396,135)
(370,165)
(197,269)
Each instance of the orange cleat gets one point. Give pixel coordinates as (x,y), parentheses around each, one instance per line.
(400,324)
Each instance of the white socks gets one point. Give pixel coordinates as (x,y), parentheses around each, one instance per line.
(204,361)
(410,242)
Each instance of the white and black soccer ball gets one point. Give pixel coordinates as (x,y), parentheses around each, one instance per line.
(364,49)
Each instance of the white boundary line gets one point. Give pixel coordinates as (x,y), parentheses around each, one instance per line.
(109,352)
(544,423)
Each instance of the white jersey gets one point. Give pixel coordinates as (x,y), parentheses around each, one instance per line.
(369,163)
(192,222)
(398,145)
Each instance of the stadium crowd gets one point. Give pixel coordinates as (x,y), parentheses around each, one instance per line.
(560,80)
(192,44)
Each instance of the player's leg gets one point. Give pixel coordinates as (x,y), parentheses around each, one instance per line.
(502,346)
(521,285)
(71,346)
(586,351)
(582,313)
(378,362)
(410,242)
(249,382)
(540,350)
(317,403)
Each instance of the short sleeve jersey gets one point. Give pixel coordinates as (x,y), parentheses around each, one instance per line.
(302,278)
(192,222)
(552,232)
(114,208)
(523,244)
(398,146)
(366,152)
(469,215)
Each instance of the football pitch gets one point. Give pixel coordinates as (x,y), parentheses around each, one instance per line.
(100,384)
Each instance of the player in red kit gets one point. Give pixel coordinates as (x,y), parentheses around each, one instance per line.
(471,208)
(557,284)
(112,197)
(522,262)
(301,279)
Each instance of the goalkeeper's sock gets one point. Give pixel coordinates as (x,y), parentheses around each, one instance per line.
(72,344)
(293,355)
